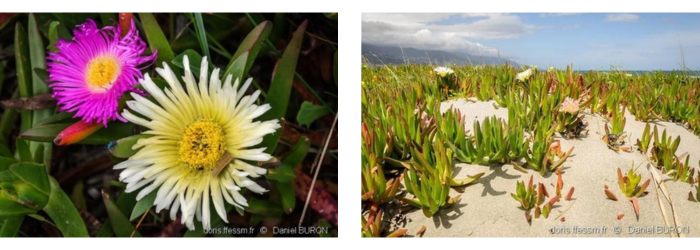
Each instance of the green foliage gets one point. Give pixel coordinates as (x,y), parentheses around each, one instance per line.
(375,187)
(663,152)
(429,179)
(308,113)
(281,85)
(63,213)
(119,222)
(543,158)
(643,145)
(629,183)
(527,196)
(27,188)
(618,121)
(489,143)
(156,39)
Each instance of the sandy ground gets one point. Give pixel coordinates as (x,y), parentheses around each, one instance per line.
(487,209)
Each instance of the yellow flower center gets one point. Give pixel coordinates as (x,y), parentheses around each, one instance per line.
(202,144)
(102,71)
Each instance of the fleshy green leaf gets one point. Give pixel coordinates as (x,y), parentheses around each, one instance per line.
(281,85)
(39,87)
(236,69)
(65,117)
(125,202)
(195,61)
(34,174)
(308,113)
(201,34)
(298,153)
(282,174)
(122,148)
(10,226)
(252,44)
(5,162)
(286,190)
(156,38)
(120,224)
(263,207)
(63,213)
(38,61)
(53,36)
(4,151)
(285,172)
(23,150)
(42,74)
(24,72)
(142,205)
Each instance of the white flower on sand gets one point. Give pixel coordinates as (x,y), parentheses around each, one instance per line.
(443,71)
(200,135)
(569,106)
(522,76)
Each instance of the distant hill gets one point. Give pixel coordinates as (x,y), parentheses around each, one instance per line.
(378,54)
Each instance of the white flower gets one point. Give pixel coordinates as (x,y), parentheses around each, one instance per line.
(443,71)
(522,76)
(192,129)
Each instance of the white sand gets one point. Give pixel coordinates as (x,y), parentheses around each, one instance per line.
(487,209)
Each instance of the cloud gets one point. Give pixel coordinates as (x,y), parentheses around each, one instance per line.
(558,14)
(443,31)
(622,18)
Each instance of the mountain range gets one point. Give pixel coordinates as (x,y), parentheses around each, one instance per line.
(381,54)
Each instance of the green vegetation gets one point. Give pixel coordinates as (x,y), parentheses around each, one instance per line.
(414,141)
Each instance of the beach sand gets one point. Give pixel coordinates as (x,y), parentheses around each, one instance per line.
(486,208)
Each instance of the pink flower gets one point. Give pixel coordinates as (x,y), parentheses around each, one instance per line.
(569,106)
(90,74)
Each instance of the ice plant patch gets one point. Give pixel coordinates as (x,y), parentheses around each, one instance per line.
(200,137)
(90,73)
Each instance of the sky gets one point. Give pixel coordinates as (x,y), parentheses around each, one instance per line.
(602,41)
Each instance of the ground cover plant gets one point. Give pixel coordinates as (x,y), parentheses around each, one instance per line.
(401,105)
(168,124)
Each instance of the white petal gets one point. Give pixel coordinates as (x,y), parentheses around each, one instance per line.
(239,198)
(218,201)
(256,188)
(253,155)
(174,208)
(134,119)
(133,186)
(130,163)
(206,216)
